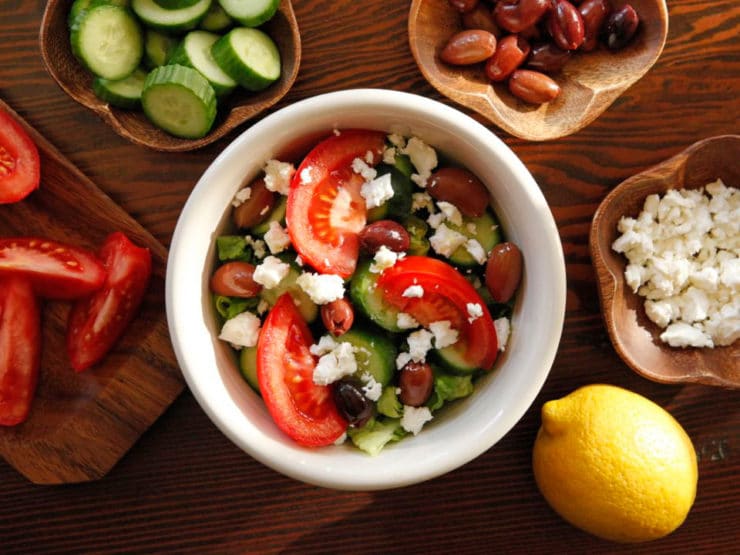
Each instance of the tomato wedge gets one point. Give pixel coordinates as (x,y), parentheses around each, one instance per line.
(20,349)
(55,270)
(303,410)
(96,322)
(20,166)
(446,296)
(325,211)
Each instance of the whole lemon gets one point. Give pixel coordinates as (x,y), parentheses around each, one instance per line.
(615,464)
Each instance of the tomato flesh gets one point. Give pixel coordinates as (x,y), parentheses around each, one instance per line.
(306,412)
(96,322)
(20,166)
(325,210)
(446,296)
(55,270)
(20,349)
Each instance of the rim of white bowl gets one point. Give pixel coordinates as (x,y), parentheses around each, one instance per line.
(412,460)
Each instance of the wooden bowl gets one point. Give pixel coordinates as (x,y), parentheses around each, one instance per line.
(133,124)
(590,81)
(634,336)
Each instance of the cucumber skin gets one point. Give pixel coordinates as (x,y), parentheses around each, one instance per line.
(166,27)
(180,56)
(100,87)
(248,367)
(369,301)
(175,4)
(255,21)
(159,77)
(380,358)
(225,57)
(78,24)
(487,238)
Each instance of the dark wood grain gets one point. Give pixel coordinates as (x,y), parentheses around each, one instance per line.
(184,487)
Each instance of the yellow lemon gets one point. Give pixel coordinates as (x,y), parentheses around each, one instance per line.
(615,464)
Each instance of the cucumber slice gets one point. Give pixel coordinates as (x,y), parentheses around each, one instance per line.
(79,6)
(277,215)
(375,354)
(124,93)
(179,100)
(175,4)
(248,366)
(484,229)
(306,306)
(452,358)
(418,242)
(158,48)
(250,12)
(249,56)
(107,40)
(195,51)
(365,296)
(172,21)
(216,20)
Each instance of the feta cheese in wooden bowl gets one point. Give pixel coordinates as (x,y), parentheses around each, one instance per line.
(295,438)
(666,247)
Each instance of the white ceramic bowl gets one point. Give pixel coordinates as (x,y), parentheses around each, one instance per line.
(465,429)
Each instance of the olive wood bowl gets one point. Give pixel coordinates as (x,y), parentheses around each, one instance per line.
(589,82)
(133,125)
(635,337)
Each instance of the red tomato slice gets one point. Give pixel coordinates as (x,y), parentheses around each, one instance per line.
(56,270)
(20,349)
(446,296)
(95,323)
(20,167)
(325,211)
(303,410)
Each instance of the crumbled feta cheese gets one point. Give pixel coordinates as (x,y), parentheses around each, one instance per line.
(299,260)
(424,159)
(325,345)
(378,191)
(336,364)
(242,330)
(444,334)
(472,228)
(306,176)
(263,307)
(277,238)
(683,253)
(402,359)
(475,311)
(420,342)
(476,250)
(270,272)
(445,241)
(397,140)
(359,166)
(384,258)
(422,200)
(406,321)
(258,246)
(369,157)
(389,155)
(278,175)
(451,212)
(414,418)
(241,196)
(371,388)
(436,219)
(413,291)
(321,288)
(503,328)
(341,439)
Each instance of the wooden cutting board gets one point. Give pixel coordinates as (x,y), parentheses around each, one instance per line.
(81,424)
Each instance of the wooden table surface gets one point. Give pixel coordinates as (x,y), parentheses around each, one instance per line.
(184,487)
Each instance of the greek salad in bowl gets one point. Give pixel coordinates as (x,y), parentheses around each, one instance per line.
(364,286)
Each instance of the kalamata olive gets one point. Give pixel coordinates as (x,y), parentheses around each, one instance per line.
(517,16)
(384,233)
(351,401)
(460,187)
(469,47)
(257,207)
(593,13)
(416,382)
(547,58)
(481,18)
(464,6)
(533,87)
(511,52)
(504,271)
(620,27)
(566,25)
(337,316)
(234,279)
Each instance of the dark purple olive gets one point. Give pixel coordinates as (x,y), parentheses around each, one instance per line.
(620,27)
(351,402)
(547,58)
